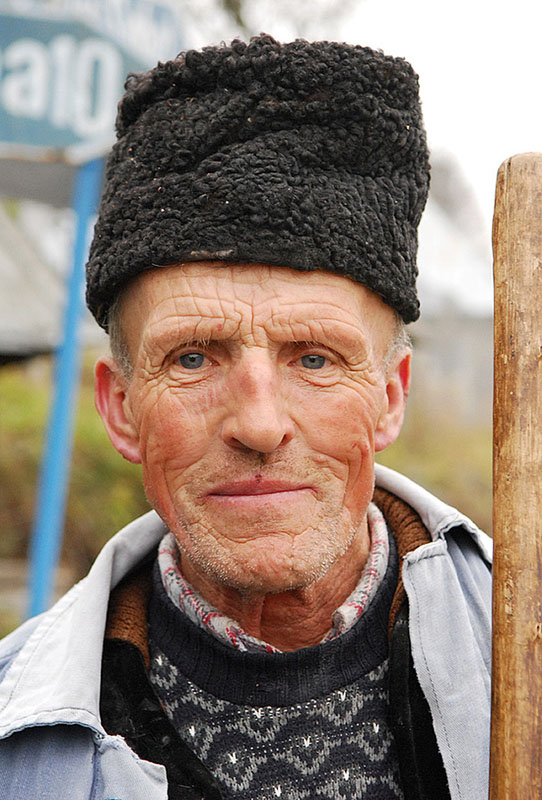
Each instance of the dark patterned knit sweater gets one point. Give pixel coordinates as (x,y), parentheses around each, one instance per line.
(311,723)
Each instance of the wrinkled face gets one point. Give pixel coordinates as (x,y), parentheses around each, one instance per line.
(257,401)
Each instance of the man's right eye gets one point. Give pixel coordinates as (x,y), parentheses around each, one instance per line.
(191,360)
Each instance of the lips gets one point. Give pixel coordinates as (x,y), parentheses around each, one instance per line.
(255,486)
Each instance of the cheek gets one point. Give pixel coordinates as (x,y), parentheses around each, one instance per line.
(342,429)
(342,423)
(174,430)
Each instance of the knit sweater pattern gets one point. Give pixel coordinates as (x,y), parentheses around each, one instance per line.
(306,724)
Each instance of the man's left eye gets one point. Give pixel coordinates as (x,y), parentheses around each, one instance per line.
(313,361)
(191,360)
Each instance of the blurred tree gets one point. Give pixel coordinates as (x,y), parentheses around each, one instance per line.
(214,20)
(235,10)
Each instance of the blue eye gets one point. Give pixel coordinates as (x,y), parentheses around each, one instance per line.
(192,360)
(313,361)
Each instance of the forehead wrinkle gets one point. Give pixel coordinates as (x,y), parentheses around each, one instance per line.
(314,302)
(260,309)
(191,304)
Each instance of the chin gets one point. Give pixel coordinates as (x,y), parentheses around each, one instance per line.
(272,575)
(268,563)
(263,584)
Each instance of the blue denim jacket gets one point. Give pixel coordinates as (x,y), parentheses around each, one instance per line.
(52,742)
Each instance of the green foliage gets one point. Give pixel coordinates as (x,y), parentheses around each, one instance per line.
(105,491)
(23,403)
(9,620)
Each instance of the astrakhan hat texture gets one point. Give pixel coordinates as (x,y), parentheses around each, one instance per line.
(304,155)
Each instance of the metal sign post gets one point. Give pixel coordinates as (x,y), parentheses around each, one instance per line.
(53,485)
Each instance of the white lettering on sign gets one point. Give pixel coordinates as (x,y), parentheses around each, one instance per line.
(24,89)
(62,49)
(97,63)
(70,84)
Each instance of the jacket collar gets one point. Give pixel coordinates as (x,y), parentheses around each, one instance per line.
(54,677)
(438,517)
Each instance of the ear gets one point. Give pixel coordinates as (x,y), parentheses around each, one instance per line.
(110,396)
(397,389)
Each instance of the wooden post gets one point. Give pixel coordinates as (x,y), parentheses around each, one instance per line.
(516,723)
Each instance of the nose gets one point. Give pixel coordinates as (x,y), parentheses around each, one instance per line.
(258,417)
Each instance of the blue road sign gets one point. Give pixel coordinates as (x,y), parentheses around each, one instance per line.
(61,78)
(59,86)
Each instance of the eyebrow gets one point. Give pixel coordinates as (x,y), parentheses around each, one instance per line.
(189,329)
(192,330)
(340,336)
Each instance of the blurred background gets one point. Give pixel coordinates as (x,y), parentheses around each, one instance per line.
(480,73)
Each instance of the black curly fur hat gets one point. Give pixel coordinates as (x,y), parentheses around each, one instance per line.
(305,155)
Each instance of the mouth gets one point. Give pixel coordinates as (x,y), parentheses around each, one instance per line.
(256,486)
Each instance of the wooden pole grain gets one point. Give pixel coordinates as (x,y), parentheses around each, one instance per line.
(516,719)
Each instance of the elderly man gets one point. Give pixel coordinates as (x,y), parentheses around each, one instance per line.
(276,627)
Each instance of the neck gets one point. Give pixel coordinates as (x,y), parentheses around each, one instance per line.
(292,619)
